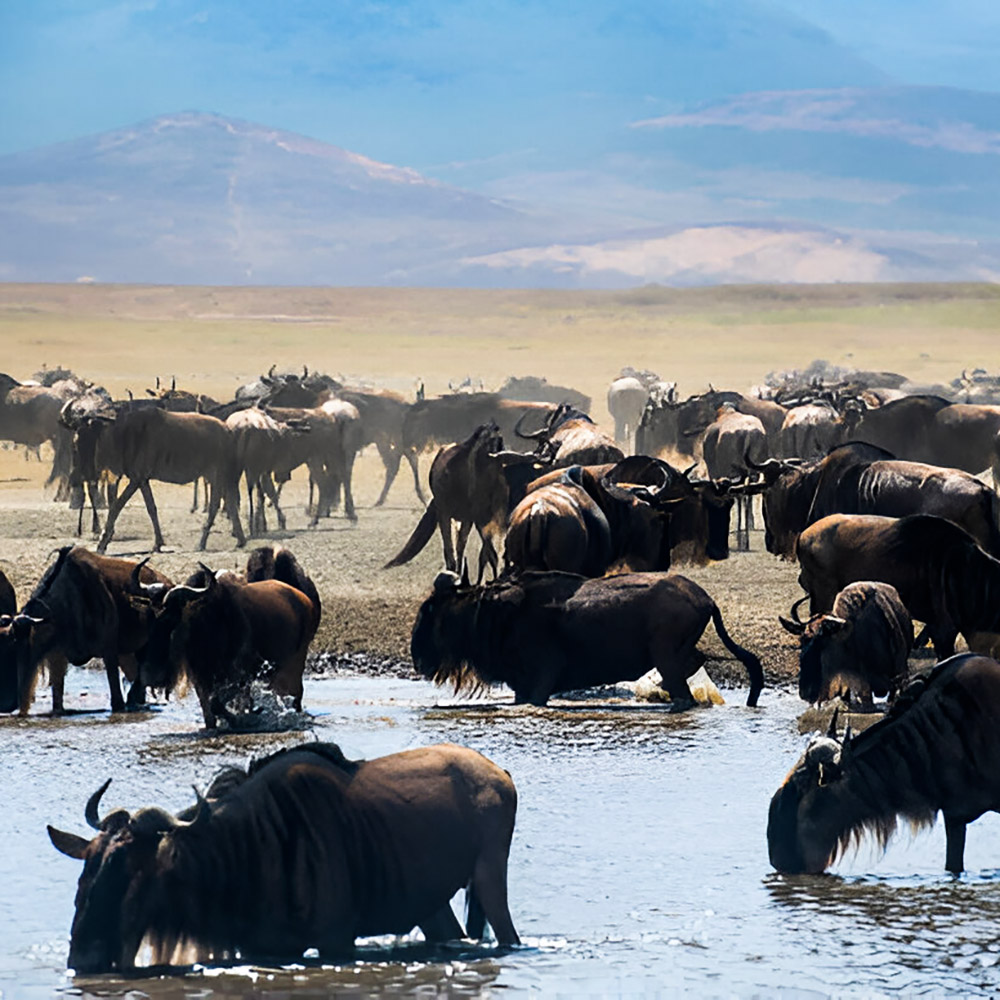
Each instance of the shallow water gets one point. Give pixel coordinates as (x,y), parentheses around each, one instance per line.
(639,863)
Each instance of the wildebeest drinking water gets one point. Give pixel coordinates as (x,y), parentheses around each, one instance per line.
(305,850)
(549,632)
(935,751)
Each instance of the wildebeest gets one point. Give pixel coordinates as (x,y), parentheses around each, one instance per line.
(29,415)
(531,388)
(814,429)
(585,524)
(549,632)
(8,599)
(80,609)
(667,425)
(943,577)
(627,397)
(226,632)
(307,849)
(467,486)
(859,478)
(934,752)
(858,649)
(933,430)
(147,443)
(442,420)
(568,437)
(730,440)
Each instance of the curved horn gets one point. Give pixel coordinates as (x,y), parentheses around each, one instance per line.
(531,435)
(201,817)
(795,609)
(134,583)
(305,373)
(157,382)
(270,371)
(210,573)
(686,473)
(173,383)
(796,628)
(90,810)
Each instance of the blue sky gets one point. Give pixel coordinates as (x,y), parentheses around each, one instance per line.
(437,83)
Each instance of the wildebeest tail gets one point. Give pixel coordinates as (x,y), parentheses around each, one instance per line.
(748,659)
(422,534)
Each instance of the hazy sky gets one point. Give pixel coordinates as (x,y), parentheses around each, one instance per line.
(413,80)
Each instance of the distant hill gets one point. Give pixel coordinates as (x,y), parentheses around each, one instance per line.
(790,186)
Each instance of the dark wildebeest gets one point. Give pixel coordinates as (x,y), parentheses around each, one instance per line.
(934,752)
(305,850)
(226,632)
(467,486)
(627,398)
(260,442)
(859,478)
(943,577)
(585,524)
(80,609)
(29,415)
(328,450)
(813,429)
(147,443)
(531,389)
(729,441)
(8,599)
(858,649)
(569,437)
(549,632)
(445,419)
(933,430)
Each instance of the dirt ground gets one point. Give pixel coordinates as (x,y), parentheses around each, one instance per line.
(213,339)
(366,609)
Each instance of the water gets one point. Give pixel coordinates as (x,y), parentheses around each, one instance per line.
(639,863)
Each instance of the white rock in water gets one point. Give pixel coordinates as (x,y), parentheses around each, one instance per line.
(703,689)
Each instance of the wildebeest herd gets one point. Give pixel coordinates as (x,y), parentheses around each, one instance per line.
(871,488)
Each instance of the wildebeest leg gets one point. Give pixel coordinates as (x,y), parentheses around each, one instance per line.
(411,457)
(390,459)
(954,831)
(464,527)
(447,543)
(137,690)
(94,492)
(442,926)
(675,668)
(489,885)
(194,500)
(114,682)
(349,511)
(487,555)
(272,494)
(147,495)
(116,508)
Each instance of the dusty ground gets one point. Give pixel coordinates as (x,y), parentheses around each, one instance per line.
(213,339)
(365,609)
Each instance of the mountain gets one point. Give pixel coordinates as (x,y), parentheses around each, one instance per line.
(196,198)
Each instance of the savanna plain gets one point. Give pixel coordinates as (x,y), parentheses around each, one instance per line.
(639,862)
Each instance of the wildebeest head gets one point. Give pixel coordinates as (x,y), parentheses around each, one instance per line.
(803,822)
(113,901)
(163,661)
(436,631)
(787,498)
(17,676)
(815,637)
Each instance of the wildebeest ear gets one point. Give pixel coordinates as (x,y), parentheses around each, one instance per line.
(832,625)
(68,843)
(445,581)
(796,628)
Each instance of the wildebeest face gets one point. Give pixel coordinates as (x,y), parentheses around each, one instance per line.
(802,812)
(817,639)
(428,648)
(161,662)
(17,675)
(8,665)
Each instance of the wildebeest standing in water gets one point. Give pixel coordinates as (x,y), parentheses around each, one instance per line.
(224,632)
(943,577)
(82,608)
(857,650)
(549,632)
(935,751)
(306,850)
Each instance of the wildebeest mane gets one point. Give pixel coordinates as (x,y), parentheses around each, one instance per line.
(894,766)
(45,583)
(328,751)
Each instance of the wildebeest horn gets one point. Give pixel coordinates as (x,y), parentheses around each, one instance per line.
(149,392)
(530,435)
(795,609)
(686,473)
(465,573)
(270,371)
(134,583)
(210,573)
(157,384)
(173,383)
(305,373)
(445,580)
(90,810)
(831,731)
(201,817)
(796,628)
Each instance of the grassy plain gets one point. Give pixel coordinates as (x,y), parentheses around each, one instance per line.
(214,339)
